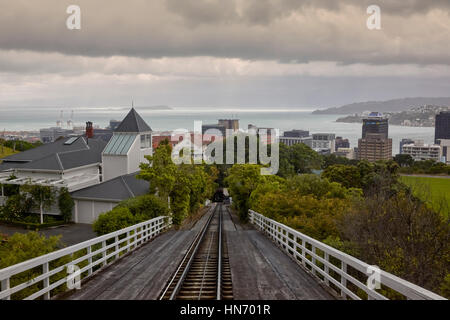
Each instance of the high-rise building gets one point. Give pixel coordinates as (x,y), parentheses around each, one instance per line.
(323,142)
(442,126)
(375,123)
(296,134)
(374,147)
(375,144)
(341,143)
(230,124)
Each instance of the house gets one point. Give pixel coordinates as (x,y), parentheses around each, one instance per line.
(92,201)
(99,174)
(74,163)
(130,143)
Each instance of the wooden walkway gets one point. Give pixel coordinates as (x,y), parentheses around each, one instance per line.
(259,269)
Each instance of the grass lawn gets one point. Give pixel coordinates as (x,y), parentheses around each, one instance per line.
(431,190)
(4,152)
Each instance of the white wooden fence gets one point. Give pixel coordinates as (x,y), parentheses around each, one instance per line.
(92,255)
(335,268)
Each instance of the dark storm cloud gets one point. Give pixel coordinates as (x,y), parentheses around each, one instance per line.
(413,31)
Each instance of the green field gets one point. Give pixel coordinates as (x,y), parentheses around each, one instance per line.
(4,152)
(430,190)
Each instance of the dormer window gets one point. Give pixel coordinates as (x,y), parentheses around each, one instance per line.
(146,141)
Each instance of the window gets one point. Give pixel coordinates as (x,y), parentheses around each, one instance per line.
(146,141)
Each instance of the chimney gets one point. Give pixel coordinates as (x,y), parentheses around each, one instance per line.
(89,130)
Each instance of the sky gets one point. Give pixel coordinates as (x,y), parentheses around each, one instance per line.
(222,53)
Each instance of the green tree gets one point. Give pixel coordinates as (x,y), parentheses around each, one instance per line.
(346,175)
(241,181)
(43,197)
(65,204)
(404,160)
(298,158)
(400,235)
(25,246)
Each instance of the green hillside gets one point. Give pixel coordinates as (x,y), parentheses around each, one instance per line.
(431,190)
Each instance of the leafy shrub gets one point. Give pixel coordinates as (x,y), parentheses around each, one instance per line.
(21,247)
(130,212)
(147,206)
(65,204)
(114,220)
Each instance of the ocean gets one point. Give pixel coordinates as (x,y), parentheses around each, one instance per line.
(35,118)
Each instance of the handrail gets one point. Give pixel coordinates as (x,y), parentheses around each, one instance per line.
(294,243)
(112,245)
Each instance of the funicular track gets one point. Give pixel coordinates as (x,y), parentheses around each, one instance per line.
(204,272)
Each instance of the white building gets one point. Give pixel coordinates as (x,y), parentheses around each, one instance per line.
(421,151)
(348,153)
(130,143)
(323,142)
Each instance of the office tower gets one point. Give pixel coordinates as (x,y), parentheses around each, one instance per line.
(442,126)
(375,123)
(403,142)
(374,147)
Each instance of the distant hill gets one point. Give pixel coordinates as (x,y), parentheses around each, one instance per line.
(385,106)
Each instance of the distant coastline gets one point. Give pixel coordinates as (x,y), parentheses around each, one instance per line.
(391,106)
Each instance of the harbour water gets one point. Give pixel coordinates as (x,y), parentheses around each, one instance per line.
(34,118)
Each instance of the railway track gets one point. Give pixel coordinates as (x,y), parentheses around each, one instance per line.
(204,272)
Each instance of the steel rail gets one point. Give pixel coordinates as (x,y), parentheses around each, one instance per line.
(193,248)
(219,260)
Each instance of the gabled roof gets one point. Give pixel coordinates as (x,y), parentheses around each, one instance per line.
(133,122)
(57,155)
(117,189)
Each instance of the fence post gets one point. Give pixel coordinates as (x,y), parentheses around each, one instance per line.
(116,239)
(304,252)
(5,286)
(327,269)
(104,252)
(89,251)
(313,259)
(343,279)
(45,269)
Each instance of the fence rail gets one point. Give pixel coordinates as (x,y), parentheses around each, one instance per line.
(336,269)
(49,272)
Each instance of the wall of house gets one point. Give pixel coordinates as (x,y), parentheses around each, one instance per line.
(136,155)
(87,211)
(114,166)
(91,176)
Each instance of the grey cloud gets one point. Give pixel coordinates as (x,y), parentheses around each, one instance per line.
(283,30)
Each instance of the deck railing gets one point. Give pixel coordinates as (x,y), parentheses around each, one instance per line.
(346,275)
(47,275)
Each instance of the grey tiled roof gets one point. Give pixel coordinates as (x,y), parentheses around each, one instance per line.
(117,189)
(57,155)
(133,122)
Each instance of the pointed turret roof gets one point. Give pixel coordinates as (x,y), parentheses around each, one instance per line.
(133,122)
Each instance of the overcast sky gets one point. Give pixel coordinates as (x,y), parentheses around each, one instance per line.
(222,53)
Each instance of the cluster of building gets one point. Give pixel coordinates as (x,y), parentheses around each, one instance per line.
(440,150)
(375,143)
(98,166)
